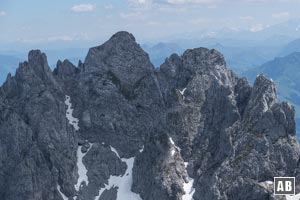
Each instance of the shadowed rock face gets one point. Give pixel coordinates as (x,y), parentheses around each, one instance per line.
(192,119)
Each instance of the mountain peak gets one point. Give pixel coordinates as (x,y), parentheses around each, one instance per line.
(34,55)
(64,69)
(262,98)
(264,86)
(122,56)
(38,60)
(202,56)
(36,68)
(123,36)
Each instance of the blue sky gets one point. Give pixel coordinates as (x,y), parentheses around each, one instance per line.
(41,21)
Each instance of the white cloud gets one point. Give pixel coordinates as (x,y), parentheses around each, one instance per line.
(72,37)
(2,13)
(134,15)
(153,23)
(207,2)
(270,1)
(142,1)
(109,6)
(281,15)
(212,6)
(247,18)
(170,9)
(47,39)
(258,27)
(83,7)
(198,21)
(61,37)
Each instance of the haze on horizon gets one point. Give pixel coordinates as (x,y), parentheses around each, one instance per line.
(39,23)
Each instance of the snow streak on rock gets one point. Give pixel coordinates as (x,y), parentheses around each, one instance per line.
(188,187)
(141,150)
(62,194)
(123,182)
(69,114)
(295,197)
(182,91)
(174,147)
(82,171)
(266,184)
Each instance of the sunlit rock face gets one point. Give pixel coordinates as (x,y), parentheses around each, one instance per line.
(116,128)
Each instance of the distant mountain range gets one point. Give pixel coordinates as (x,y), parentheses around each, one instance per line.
(291,47)
(273,35)
(8,64)
(241,59)
(159,52)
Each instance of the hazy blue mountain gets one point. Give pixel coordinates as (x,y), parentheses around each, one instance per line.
(293,46)
(274,35)
(285,71)
(242,59)
(159,52)
(290,28)
(72,54)
(8,64)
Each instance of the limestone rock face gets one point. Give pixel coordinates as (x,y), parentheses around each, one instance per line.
(159,153)
(116,128)
(121,56)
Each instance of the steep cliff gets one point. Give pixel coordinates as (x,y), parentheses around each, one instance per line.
(116,128)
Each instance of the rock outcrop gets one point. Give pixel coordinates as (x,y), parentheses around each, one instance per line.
(116,128)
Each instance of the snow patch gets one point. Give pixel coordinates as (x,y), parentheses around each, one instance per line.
(62,194)
(141,150)
(171,140)
(123,183)
(174,147)
(182,91)
(173,152)
(266,184)
(69,114)
(269,182)
(188,187)
(115,151)
(295,197)
(82,171)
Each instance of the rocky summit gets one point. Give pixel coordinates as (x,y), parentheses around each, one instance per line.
(116,128)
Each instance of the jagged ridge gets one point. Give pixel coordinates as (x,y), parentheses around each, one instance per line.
(192,119)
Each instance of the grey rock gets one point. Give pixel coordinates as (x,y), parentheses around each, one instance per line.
(232,137)
(64,69)
(109,194)
(159,184)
